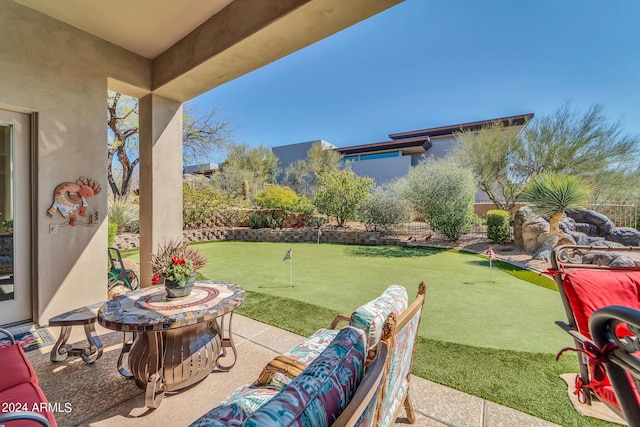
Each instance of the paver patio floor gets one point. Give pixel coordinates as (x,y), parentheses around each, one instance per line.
(96,395)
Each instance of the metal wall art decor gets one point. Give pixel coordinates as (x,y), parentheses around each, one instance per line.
(69,199)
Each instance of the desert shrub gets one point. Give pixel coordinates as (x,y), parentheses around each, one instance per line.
(444,193)
(205,207)
(339,194)
(276,197)
(231,217)
(384,210)
(498,227)
(304,206)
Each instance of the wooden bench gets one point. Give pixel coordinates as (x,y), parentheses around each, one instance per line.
(83,316)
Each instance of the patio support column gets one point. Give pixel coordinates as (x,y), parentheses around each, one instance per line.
(160,177)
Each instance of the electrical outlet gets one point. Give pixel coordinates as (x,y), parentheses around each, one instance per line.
(53,229)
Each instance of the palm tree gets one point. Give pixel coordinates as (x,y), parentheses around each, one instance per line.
(551,195)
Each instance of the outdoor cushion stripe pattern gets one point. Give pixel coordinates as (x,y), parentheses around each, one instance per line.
(396,382)
(371,316)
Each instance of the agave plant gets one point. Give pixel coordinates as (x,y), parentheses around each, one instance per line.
(551,195)
(122,214)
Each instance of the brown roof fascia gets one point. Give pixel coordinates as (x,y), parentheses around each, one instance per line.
(518,120)
(386,145)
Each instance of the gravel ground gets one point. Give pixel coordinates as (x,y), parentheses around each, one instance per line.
(478,243)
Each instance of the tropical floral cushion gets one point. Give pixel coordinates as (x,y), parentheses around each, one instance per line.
(397,385)
(371,316)
(317,396)
(314,398)
(306,352)
(250,398)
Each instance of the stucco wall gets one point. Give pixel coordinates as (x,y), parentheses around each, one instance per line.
(383,170)
(61,73)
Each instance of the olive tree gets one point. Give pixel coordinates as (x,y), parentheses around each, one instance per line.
(444,193)
(340,192)
(384,210)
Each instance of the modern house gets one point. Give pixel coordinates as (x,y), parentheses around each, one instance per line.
(390,160)
(58,59)
(204,169)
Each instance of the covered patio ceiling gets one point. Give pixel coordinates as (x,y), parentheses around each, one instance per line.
(196,45)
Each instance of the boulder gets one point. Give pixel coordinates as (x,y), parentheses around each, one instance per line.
(622,261)
(544,253)
(522,215)
(625,235)
(602,224)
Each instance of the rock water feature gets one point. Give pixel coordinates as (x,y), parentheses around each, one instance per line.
(581,227)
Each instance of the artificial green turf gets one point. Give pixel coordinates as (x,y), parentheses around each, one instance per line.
(465,302)
(528,382)
(461,301)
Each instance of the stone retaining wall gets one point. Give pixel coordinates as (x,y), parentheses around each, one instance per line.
(132,241)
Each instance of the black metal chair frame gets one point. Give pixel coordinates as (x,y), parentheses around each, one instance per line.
(623,367)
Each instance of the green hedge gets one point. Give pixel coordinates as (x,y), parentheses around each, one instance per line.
(498,227)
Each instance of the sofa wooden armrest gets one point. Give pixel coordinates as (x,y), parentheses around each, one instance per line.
(339,319)
(280,364)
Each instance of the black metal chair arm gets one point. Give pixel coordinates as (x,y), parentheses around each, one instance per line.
(623,367)
(29,416)
(9,335)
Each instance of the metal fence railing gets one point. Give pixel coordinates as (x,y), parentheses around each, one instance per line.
(621,215)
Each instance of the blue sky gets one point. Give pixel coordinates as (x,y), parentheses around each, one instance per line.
(429,63)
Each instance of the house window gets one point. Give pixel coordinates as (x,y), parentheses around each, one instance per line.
(380,155)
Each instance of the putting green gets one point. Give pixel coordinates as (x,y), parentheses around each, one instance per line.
(466,303)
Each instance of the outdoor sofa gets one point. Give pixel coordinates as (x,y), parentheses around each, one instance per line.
(357,375)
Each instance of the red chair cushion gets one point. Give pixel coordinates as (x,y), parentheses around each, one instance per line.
(589,290)
(15,368)
(29,397)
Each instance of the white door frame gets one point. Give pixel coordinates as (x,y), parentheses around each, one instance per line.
(22,308)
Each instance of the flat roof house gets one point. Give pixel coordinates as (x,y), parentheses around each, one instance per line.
(58,59)
(390,160)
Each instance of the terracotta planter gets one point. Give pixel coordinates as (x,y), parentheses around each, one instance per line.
(176,291)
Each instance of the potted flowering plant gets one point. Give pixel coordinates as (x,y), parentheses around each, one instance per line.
(177,265)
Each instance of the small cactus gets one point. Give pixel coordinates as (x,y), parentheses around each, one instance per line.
(245,189)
